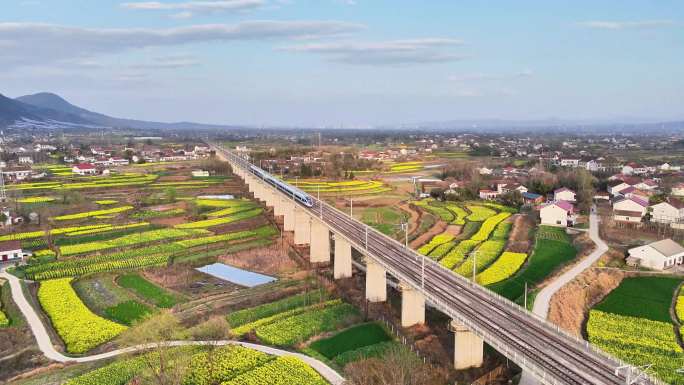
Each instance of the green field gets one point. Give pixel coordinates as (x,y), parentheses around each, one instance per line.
(643,297)
(147,290)
(634,324)
(355,337)
(547,256)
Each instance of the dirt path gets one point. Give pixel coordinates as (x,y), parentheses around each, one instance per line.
(424,238)
(413,220)
(45,344)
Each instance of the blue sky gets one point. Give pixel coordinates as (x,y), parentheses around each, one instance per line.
(349,63)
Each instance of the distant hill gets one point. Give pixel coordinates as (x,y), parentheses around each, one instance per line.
(12,110)
(46,106)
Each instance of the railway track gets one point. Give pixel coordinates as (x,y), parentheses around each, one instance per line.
(553,356)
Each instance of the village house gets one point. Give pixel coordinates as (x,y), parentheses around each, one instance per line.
(569,162)
(11,251)
(633,204)
(564,194)
(668,212)
(559,213)
(634,169)
(532,198)
(678,189)
(489,194)
(17,173)
(25,159)
(659,255)
(84,169)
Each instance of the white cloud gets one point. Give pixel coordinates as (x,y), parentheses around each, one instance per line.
(35,44)
(195,6)
(479,76)
(169,62)
(394,52)
(619,25)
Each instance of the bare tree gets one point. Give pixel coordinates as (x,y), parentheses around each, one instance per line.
(164,364)
(396,367)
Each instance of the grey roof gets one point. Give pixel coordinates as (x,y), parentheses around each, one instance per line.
(667,247)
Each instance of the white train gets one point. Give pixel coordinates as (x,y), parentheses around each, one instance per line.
(291,191)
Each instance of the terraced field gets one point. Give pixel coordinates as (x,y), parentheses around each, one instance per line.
(342,188)
(480,245)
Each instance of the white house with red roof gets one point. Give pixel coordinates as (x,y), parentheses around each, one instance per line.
(678,190)
(631,204)
(564,194)
(84,169)
(558,213)
(671,211)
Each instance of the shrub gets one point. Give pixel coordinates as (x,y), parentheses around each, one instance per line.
(79,328)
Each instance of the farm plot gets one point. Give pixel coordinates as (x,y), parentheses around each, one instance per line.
(402,167)
(354,187)
(300,323)
(40,199)
(147,290)
(503,268)
(94,213)
(479,213)
(633,323)
(129,240)
(548,254)
(226,365)
(239,216)
(80,329)
(357,342)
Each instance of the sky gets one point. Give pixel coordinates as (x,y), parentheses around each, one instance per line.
(349,63)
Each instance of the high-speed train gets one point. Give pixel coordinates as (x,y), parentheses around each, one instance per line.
(291,191)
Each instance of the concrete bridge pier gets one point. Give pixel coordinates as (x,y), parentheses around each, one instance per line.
(278,205)
(412,306)
(269,196)
(320,242)
(288,214)
(302,227)
(468,347)
(342,266)
(376,281)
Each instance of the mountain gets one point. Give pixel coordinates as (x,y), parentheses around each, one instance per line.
(12,110)
(53,102)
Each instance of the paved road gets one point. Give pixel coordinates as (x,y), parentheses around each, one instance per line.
(543,300)
(532,343)
(45,344)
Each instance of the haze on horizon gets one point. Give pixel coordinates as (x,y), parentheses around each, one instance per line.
(349,62)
